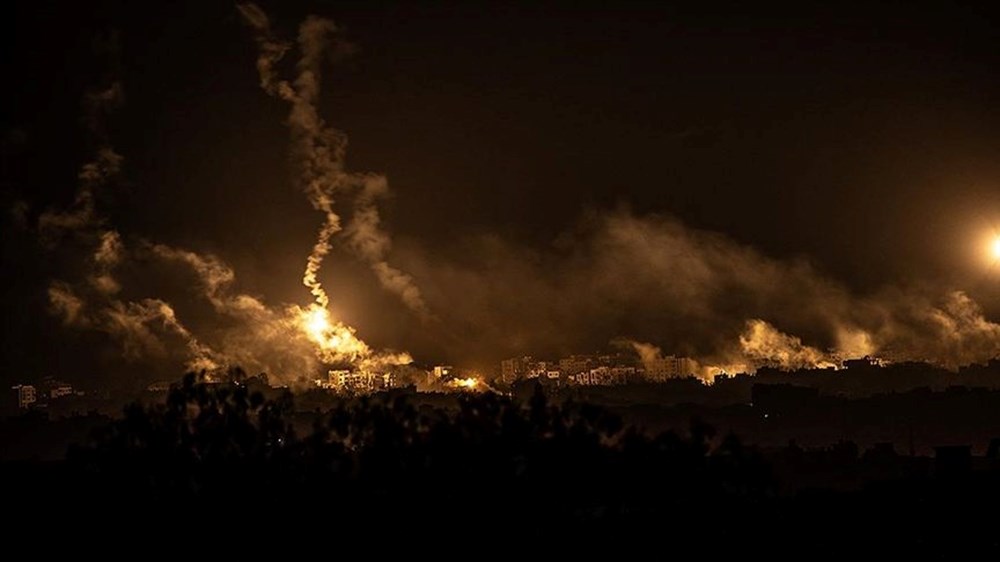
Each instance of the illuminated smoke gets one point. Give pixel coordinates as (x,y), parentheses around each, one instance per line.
(650,356)
(310,278)
(133,324)
(139,326)
(290,341)
(213,275)
(951,330)
(142,327)
(695,293)
(853,343)
(691,292)
(763,344)
(271,50)
(107,256)
(66,304)
(93,176)
(369,241)
(318,151)
(286,342)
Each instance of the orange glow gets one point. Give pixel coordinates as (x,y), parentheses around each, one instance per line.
(995,248)
(470,383)
(335,341)
(317,323)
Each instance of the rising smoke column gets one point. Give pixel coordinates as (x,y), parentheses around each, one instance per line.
(318,151)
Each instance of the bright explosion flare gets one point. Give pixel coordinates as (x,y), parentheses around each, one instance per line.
(995,248)
(336,342)
(469,383)
(317,322)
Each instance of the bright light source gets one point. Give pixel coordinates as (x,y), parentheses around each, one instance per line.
(317,323)
(995,248)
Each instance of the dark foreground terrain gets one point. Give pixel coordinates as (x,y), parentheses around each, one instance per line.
(507,476)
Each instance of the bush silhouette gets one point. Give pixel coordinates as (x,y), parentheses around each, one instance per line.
(488,459)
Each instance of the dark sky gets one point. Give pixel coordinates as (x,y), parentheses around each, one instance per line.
(858,141)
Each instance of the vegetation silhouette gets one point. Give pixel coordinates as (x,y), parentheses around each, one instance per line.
(490,459)
(493,468)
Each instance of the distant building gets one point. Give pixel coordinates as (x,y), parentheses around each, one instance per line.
(59,390)
(598,369)
(26,395)
(669,367)
(575,364)
(866,362)
(603,376)
(526,367)
(623,373)
(159,386)
(513,369)
(538,369)
(443,371)
(357,382)
(335,378)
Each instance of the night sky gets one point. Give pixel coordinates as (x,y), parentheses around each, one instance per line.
(562,175)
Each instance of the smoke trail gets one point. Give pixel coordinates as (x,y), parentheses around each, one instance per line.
(318,151)
(369,241)
(213,275)
(315,260)
(271,50)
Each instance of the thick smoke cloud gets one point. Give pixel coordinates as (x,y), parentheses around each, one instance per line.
(692,293)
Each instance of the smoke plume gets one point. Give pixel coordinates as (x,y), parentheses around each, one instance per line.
(318,152)
(290,342)
(693,293)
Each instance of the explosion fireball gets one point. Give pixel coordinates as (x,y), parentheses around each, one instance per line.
(335,342)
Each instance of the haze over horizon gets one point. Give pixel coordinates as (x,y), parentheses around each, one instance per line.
(760,187)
